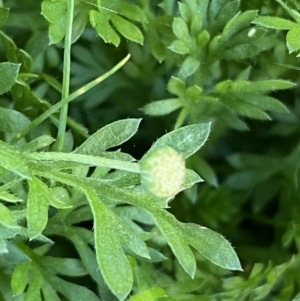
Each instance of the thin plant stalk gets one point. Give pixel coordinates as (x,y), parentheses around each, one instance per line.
(68,99)
(66,78)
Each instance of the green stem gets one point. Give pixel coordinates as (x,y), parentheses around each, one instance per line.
(66,100)
(66,78)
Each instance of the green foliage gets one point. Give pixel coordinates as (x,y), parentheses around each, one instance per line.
(97,205)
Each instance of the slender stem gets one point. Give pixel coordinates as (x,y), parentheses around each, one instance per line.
(66,100)
(66,78)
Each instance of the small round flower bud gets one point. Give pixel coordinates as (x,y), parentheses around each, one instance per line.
(163,171)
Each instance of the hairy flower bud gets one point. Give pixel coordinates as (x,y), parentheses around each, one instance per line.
(162,172)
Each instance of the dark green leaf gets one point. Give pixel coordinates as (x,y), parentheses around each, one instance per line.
(4,12)
(12,121)
(8,76)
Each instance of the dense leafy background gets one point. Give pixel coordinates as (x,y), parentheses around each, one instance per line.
(234,70)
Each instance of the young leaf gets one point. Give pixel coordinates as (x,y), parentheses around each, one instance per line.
(149,294)
(127,29)
(181,30)
(100,21)
(7,219)
(238,23)
(111,135)
(55,13)
(8,76)
(275,23)
(292,39)
(8,197)
(37,207)
(162,107)
(19,278)
(188,67)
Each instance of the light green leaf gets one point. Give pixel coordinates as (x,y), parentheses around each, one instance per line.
(19,278)
(37,207)
(180,47)
(85,159)
(253,87)
(111,135)
(264,102)
(66,266)
(176,86)
(88,258)
(237,24)
(186,140)
(168,225)
(127,29)
(73,292)
(214,9)
(162,107)
(293,13)
(112,261)
(8,197)
(3,247)
(8,76)
(188,67)
(100,21)
(292,39)
(38,143)
(212,245)
(181,30)
(185,12)
(33,291)
(55,13)
(149,294)
(15,163)
(275,23)
(49,293)
(7,219)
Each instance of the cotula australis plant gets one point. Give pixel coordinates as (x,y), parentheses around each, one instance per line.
(57,179)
